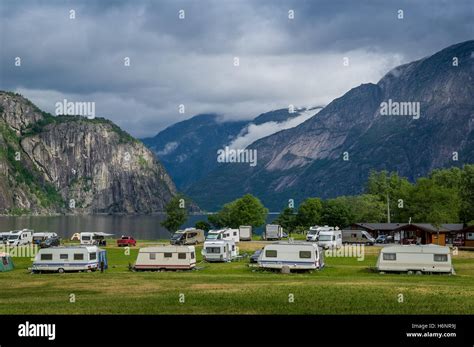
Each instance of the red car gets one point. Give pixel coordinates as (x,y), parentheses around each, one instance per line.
(126,241)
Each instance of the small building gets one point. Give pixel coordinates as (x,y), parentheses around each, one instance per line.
(468,236)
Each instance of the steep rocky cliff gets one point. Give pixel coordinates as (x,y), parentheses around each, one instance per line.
(332,154)
(71,164)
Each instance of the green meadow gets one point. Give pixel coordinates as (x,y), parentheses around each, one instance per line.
(344,286)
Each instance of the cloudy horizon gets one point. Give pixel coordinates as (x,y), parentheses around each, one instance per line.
(191,61)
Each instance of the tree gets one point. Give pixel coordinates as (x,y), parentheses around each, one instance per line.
(287,219)
(466,193)
(176,213)
(309,212)
(366,208)
(336,213)
(247,210)
(203,225)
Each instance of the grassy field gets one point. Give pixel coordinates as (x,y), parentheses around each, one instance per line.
(345,286)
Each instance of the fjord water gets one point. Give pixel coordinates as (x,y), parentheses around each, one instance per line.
(143,227)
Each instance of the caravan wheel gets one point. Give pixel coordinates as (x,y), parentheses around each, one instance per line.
(61,270)
(419,273)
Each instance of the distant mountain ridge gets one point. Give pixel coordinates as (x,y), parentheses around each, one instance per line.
(332,154)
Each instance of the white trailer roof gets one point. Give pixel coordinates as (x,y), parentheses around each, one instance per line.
(431,248)
(167,248)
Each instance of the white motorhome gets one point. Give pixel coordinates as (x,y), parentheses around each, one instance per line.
(313,233)
(73,258)
(245,232)
(4,236)
(330,239)
(415,258)
(357,236)
(40,237)
(273,232)
(20,237)
(96,238)
(219,250)
(166,257)
(295,255)
(223,234)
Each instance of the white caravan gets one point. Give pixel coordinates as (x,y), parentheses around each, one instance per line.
(166,257)
(73,258)
(415,258)
(273,232)
(295,255)
(40,237)
(330,239)
(219,250)
(93,238)
(223,234)
(245,232)
(313,233)
(20,237)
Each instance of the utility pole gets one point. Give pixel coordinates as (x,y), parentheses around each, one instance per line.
(388,209)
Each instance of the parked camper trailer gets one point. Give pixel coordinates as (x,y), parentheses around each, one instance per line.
(20,237)
(245,233)
(166,257)
(273,232)
(40,237)
(330,239)
(219,250)
(188,236)
(357,236)
(415,258)
(97,238)
(313,233)
(295,255)
(73,258)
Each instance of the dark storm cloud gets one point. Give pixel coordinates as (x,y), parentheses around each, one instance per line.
(190,61)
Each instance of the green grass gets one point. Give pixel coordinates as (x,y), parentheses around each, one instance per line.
(345,286)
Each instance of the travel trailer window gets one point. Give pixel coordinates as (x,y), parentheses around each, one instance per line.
(93,256)
(235,233)
(192,255)
(389,256)
(233,247)
(212,236)
(213,250)
(440,257)
(325,237)
(78,256)
(181,255)
(86,238)
(46,256)
(152,256)
(305,254)
(168,255)
(191,235)
(271,253)
(64,256)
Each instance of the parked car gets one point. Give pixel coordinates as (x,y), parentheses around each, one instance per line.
(50,242)
(126,241)
(384,239)
(254,257)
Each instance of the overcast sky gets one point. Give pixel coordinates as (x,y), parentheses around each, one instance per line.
(190,61)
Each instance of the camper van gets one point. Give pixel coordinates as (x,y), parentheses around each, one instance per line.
(75,258)
(245,233)
(20,237)
(313,233)
(166,257)
(219,250)
(330,239)
(295,255)
(223,234)
(357,236)
(40,237)
(93,238)
(273,232)
(4,237)
(415,258)
(188,236)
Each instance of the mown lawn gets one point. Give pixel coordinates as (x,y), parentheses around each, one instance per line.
(345,286)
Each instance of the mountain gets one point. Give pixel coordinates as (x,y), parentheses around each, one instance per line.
(71,164)
(309,160)
(188,149)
